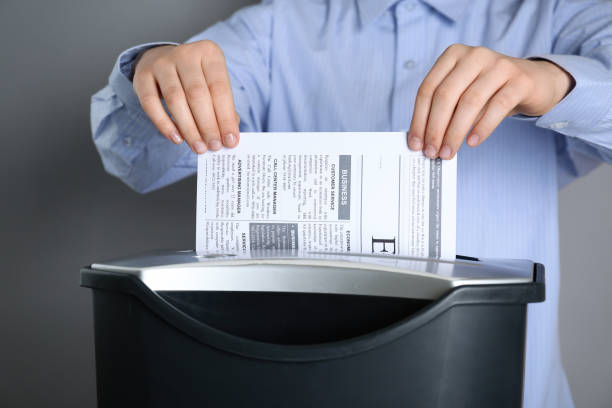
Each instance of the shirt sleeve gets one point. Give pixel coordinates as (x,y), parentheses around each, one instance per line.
(130,146)
(582,46)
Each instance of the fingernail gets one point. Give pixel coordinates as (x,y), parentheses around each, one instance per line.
(176,138)
(473,140)
(415,143)
(446,152)
(199,147)
(430,151)
(229,139)
(215,144)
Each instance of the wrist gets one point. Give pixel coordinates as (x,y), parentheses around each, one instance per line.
(562,81)
(149,51)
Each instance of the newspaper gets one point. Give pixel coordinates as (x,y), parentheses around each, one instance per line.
(326,192)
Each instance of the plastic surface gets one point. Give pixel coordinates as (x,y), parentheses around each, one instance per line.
(230,349)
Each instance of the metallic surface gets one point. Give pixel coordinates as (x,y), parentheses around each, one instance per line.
(168,270)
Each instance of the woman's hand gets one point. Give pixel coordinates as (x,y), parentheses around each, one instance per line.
(476,88)
(193,81)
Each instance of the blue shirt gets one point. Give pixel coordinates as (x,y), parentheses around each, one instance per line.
(355,65)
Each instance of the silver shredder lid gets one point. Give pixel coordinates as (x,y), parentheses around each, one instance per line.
(315,272)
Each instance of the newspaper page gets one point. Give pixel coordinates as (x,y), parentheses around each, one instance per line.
(329,192)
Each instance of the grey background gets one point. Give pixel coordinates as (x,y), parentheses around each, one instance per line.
(59,210)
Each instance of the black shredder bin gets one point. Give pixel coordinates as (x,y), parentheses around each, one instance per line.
(181,329)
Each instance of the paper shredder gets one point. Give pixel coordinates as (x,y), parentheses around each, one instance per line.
(182,329)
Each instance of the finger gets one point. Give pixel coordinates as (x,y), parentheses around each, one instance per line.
(445,63)
(500,106)
(146,90)
(200,102)
(172,91)
(470,106)
(217,79)
(445,100)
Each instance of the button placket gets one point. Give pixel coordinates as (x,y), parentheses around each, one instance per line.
(410,27)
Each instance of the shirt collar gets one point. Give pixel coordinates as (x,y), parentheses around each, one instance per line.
(369,10)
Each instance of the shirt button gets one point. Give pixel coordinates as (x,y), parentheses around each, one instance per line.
(559,125)
(127,141)
(409,6)
(409,64)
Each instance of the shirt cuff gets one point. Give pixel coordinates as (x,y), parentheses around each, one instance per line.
(120,78)
(587,104)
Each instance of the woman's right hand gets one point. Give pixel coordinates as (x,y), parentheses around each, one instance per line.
(193,81)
